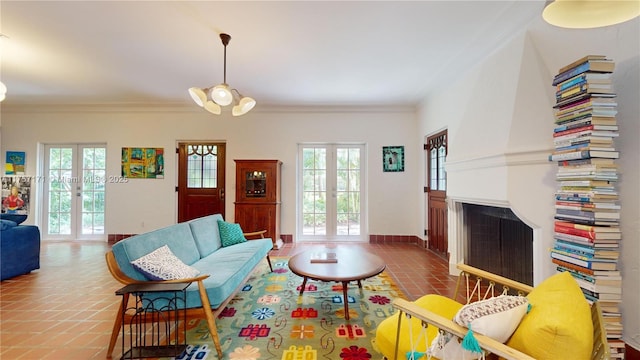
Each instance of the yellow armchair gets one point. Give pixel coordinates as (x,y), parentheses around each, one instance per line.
(560,325)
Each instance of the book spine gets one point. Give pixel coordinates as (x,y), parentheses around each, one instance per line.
(573,260)
(580,234)
(571,82)
(574,155)
(574,248)
(570,73)
(575,130)
(572,266)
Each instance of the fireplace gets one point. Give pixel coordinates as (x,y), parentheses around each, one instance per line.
(496,240)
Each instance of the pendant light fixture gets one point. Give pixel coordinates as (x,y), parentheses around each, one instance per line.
(212,98)
(584,14)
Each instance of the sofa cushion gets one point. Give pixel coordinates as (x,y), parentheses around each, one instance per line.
(559,325)
(7,224)
(496,317)
(162,264)
(386,331)
(230,234)
(228,267)
(205,233)
(16,218)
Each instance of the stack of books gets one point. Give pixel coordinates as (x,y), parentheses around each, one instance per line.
(587,233)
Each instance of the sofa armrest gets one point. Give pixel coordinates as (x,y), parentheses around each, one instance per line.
(121,277)
(255,233)
(444,324)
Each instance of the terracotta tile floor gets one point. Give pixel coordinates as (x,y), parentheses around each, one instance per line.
(65,310)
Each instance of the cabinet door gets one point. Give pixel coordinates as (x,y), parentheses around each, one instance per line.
(256,217)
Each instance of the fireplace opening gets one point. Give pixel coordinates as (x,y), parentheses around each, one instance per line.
(499,242)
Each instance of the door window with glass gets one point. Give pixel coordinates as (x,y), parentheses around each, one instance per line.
(74,200)
(331,192)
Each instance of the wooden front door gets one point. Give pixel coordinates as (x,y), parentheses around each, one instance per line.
(436,189)
(201,175)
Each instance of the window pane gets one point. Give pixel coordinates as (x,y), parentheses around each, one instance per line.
(442,177)
(202,166)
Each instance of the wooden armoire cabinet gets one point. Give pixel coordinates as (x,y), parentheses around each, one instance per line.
(257,205)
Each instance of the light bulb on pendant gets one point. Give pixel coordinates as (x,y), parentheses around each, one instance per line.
(221,94)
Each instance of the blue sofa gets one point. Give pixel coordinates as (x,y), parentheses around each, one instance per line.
(19,246)
(223,270)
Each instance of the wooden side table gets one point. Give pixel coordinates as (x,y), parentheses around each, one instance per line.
(153,321)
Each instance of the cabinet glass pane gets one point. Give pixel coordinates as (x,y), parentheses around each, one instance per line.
(256,184)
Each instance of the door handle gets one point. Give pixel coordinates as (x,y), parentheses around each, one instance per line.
(221,193)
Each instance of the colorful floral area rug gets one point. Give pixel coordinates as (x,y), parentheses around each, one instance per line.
(268,319)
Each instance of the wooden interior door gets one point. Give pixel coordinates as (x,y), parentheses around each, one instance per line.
(436,189)
(201,180)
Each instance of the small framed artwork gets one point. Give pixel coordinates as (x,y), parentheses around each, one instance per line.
(393,158)
(14,163)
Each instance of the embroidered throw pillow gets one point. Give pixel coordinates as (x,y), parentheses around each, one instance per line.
(162,264)
(230,234)
(496,317)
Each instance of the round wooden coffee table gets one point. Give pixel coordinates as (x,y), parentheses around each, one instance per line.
(353,264)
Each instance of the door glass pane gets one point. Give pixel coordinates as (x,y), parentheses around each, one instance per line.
(61,182)
(348,191)
(202,166)
(437,156)
(314,175)
(442,176)
(433,169)
(93,190)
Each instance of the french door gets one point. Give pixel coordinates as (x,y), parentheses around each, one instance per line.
(74,192)
(331,199)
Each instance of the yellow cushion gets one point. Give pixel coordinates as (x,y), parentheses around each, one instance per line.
(559,325)
(386,332)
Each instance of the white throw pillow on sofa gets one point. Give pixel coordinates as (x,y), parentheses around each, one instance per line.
(496,317)
(162,264)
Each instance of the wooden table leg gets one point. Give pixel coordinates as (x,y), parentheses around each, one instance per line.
(304,283)
(345,285)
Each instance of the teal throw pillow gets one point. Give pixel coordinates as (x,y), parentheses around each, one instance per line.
(230,234)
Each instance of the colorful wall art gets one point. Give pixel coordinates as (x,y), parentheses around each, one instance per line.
(143,163)
(392,158)
(14,163)
(16,194)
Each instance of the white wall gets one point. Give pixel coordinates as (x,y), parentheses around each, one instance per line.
(500,122)
(269,133)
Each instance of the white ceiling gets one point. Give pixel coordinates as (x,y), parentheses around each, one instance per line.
(281,53)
